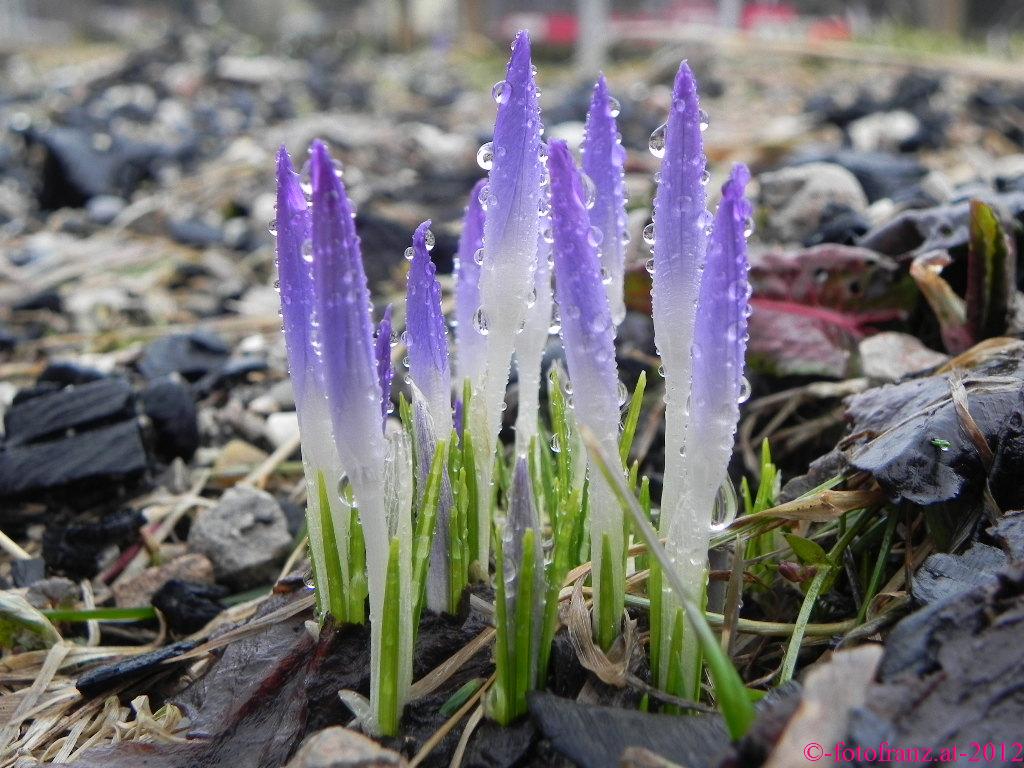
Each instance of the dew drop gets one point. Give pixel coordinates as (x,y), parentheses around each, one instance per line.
(744,394)
(702,118)
(657,141)
(409,253)
(649,234)
(485,156)
(345,490)
(705,177)
(623,393)
(614,108)
(748,227)
(478,257)
(589,190)
(307,250)
(428,240)
(501,91)
(548,235)
(480,322)
(531,297)
(556,446)
(606,277)
(649,266)
(272,227)
(556,321)
(726,507)
(595,236)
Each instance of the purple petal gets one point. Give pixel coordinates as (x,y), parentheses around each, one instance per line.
(586,320)
(510,251)
(720,337)
(345,325)
(385,368)
(295,273)
(470,345)
(427,337)
(587,336)
(603,159)
(680,230)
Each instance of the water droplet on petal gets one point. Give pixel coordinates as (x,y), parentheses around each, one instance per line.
(613,106)
(703,121)
(556,446)
(501,92)
(345,490)
(478,257)
(307,250)
(589,191)
(649,234)
(744,394)
(548,235)
(272,227)
(428,240)
(705,177)
(595,236)
(485,156)
(480,322)
(606,276)
(649,266)
(657,141)
(409,253)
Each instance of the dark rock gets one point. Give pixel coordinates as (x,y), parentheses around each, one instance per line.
(1008,533)
(245,536)
(103,209)
(130,670)
(8,339)
(72,408)
(597,736)
(233,369)
(496,747)
(188,607)
(191,355)
(48,301)
(65,372)
(25,573)
(74,548)
(951,673)
(195,232)
(881,175)
(943,575)
(839,224)
(169,405)
(93,460)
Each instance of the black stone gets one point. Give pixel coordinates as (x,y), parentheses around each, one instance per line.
(25,573)
(169,405)
(64,372)
(187,606)
(597,736)
(130,670)
(75,407)
(191,355)
(73,548)
(99,457)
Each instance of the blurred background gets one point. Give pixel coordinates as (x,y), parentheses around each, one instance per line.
(137,193)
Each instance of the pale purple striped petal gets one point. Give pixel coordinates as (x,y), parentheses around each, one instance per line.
(343,313)
(427,337)
(512,200)
(587,335)
(603,159)
(385,367)
(681,234)
(295,275)
(720,339)
(470,345)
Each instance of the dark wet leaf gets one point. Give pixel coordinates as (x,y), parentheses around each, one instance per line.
(911,439)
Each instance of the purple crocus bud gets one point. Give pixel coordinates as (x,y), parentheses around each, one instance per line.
(295,273)
(427,337)
(385,367)
(512,200)
(587,335)
(342,310)
(603,159)
(720,341)
(680,234)
(470,344)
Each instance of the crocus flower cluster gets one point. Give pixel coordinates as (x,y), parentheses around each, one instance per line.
(403,510)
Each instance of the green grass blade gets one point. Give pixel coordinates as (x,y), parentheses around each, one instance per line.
(730,693)
(335,579)
(387,710)
(425,523)
(632,418)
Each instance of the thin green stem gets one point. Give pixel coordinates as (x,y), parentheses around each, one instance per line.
(879,569)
